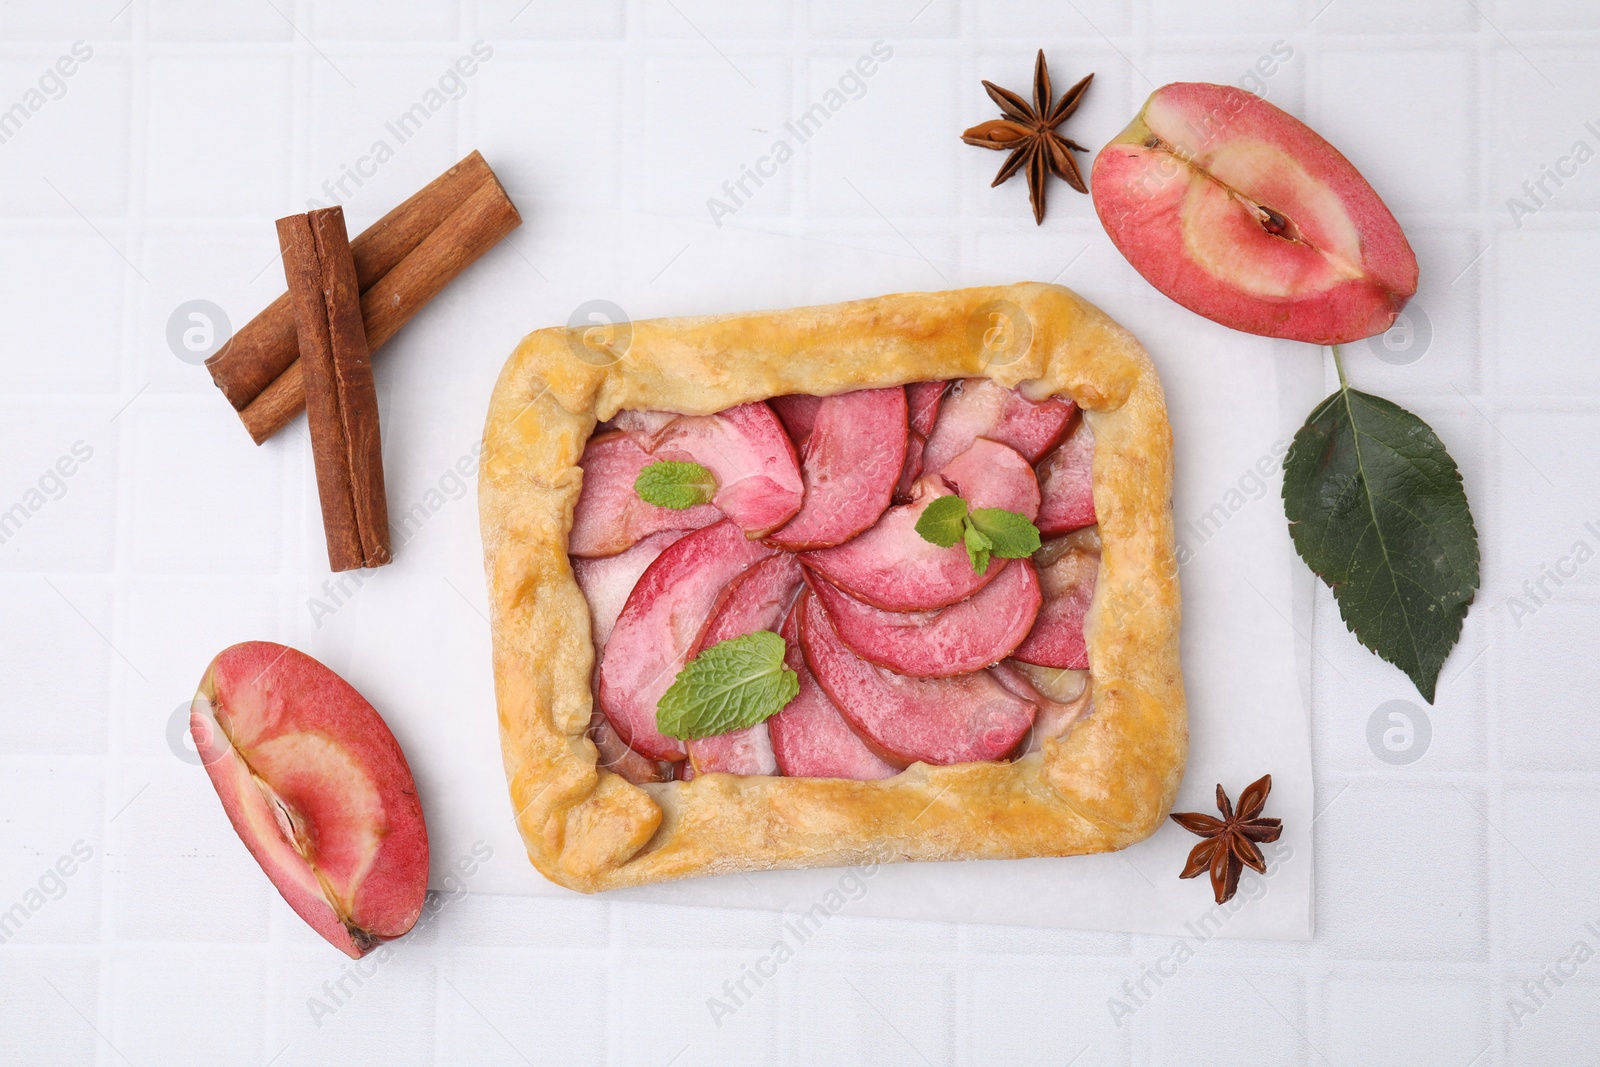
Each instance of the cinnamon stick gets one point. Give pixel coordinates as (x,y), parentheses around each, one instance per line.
(256,369)
(341,398)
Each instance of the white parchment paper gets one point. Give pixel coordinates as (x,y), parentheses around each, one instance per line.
(414,636)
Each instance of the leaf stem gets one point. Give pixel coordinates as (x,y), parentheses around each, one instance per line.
(1338,365)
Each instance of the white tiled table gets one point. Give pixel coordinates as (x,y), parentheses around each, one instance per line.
(1444,886)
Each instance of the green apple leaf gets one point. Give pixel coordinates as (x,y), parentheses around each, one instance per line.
(673,484)
(941,521)
(1376,508)
(731,685)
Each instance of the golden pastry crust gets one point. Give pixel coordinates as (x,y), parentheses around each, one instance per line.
(1105,785)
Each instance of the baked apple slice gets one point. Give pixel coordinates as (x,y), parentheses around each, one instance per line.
(904,720)
(850,462)
(745,447)
(1243,214)
(610,516)
(607,581)
(890,566)
(1067,570)
(612,753)
(966,636)
(659,624)
(922,400)
(1058,711)
(810,739)
(758,599)
(797,412)
(1066,483)
(317,788)
(980,407)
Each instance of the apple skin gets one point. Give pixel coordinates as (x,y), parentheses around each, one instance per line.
(1181,193)
(317,788)
(810,738)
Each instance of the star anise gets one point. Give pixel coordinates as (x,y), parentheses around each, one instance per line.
(1230,842)
(1030,134)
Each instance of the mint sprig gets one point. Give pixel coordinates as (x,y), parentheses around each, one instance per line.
(675,484)
(731,685)
(985,532)
(1376,508)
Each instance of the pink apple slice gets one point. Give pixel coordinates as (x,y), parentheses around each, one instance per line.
(658,626)
(922,399)
(756,600)
(810,739)
(610,516)
(1240,212)
(612,753)
(1055,717)
(1068,567)
(1066,484)
(746,447)
(890,566)
(965,719)
(797,412)
(607,581)
(317,788)
(850,463)
(966,636)
(979,407)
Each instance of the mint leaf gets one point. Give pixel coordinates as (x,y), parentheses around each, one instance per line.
(978,547)
(1011,535)
(731,685)
(1377,510)
(941,521)
(673,484)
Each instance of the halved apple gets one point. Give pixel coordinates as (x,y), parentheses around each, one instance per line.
(1066,483)
(746,447)
(980,407)
(966,636)
(317,788)
(890,566)
(756,600)
(610,516)
(964,719)
(810,739)
(850,462)
(658,626)
(1240,212)
(1068,567)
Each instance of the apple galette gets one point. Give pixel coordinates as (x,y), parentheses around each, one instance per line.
(893,577)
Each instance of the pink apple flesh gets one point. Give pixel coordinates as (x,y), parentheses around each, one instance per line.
(659,624)
(1066,484)
(890,566)
(797,412)
(1240,212)
(810,739)
(1068,568)
(610,516)
(756,600)
(317,788)
(606,582)
(850,462)
(965,719)
(979,407)
(745,447)
(966,636)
